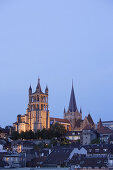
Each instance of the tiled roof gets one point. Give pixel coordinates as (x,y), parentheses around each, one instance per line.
(94,162)
(58,156)
(78,123)
(90,119)
(104,130)
(60,120)
(88,127)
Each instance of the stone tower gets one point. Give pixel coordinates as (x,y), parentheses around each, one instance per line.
(72,113)
(37,113)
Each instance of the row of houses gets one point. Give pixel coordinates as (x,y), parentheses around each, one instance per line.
(74,155)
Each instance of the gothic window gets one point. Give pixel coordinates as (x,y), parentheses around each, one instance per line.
(33,107)
(32,99)
(41,106)
(46,99)
(37,106)
(37,98)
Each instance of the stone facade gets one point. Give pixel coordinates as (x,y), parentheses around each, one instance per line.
(72,113)
(37,113)
(88,135)
(75,117)
(63,122)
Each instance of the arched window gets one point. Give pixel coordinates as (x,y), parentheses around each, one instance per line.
(41,106)
(38,98)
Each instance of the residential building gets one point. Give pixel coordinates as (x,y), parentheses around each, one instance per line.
(22,146)
(108,124)
(88,135)
(99,149)
(104,132)
(15,160)
(73,135)
(62,156)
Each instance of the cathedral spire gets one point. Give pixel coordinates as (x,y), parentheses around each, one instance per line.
(64,110)
(99,124)
(30,89)
(46,89)
(38,85)
(72,103)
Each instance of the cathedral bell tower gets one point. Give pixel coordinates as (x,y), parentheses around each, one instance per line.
(37,111)
(72,113)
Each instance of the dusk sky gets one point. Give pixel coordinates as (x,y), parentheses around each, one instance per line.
(57,40)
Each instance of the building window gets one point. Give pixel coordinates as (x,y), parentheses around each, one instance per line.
(38,98)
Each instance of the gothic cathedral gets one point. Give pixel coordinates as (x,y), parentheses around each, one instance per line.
(37,113)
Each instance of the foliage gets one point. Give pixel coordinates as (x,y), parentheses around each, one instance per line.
(95,141)
(57,130)
(15,135)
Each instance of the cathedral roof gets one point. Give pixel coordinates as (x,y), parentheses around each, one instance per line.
(87,127)
(60,120)
(90,119)
(72,103)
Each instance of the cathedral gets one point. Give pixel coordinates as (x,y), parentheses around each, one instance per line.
(37,113)
(75,117)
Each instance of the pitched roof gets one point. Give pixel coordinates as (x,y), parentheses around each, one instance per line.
(90,119)
(88,127)
(105,130)
(78,123)
(59,120)
(72,103)
(102,129)
(58,156)
(99,124)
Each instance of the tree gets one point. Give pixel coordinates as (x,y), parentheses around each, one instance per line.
(15,135)
(44,134)
(27,135)
(58,130)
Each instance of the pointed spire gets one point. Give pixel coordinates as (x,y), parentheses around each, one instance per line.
(46,89)
(90,119)
(64,110)
(30,89)
(99,124)
(72,103)
(80,110)
(38,85)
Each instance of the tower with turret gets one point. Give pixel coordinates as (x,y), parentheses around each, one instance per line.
(37,113)
(72,114)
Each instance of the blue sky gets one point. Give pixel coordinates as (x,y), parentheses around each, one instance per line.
(59,41)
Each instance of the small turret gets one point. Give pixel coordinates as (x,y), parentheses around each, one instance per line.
(99,124)
(64,110)
(30,90)
(46,89)
(80,110)
(38,88)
